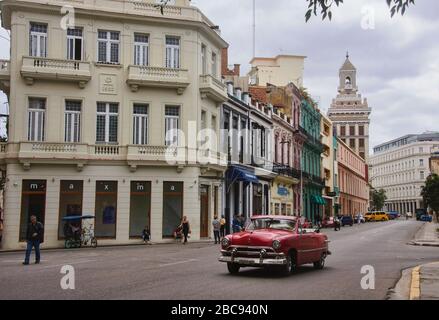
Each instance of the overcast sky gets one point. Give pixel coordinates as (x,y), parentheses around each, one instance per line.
(397,60)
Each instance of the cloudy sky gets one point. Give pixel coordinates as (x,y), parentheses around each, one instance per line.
(397,59)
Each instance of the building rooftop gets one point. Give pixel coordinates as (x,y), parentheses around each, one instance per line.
(407,139)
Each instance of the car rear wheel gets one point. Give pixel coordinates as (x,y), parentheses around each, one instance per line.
(233,268)
(321,263)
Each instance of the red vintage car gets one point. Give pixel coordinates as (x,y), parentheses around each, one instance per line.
(274,241)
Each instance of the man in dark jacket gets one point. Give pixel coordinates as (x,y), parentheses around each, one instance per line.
(34,236)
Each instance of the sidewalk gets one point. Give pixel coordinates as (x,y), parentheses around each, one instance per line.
(425,282)
(427,235)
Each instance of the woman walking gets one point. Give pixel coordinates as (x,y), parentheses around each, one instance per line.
(186,228)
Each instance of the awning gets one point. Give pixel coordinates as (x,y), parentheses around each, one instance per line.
(240,174)
(317,199)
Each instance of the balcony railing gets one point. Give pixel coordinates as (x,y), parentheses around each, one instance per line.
(145,76)
(133,155)
(212,88)
(315,142)
(286,171)
(55,69)
(56,151)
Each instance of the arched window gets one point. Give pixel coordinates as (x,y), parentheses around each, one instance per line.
(348,81)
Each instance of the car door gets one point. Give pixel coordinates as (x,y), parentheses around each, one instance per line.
(306,246)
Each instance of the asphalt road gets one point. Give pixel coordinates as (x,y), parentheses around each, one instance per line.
(193,272)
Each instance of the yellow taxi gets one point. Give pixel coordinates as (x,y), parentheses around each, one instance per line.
(376,216)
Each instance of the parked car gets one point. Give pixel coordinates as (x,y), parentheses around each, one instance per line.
(393,215)
(376,216)
(359,217)
(328,223)
(274,241)
(427,218)
(347,221)
(420,213)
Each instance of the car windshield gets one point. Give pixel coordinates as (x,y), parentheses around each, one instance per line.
(278,224)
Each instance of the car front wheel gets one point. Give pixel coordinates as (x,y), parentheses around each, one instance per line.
(291,265)
(233,268)
(321,263)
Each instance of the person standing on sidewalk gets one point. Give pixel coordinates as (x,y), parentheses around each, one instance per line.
(34,236)
(185,228)
(222,227)
(216,229)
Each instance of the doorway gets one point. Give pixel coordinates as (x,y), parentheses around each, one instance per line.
(204,211)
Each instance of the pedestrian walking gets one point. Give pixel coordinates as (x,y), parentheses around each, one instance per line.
(236,224)
(336,223)
(222,227)
(216,229)
(185,228)
(34,237)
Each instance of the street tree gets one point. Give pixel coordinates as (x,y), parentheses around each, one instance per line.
(323,7)
(430,193)
(379,197)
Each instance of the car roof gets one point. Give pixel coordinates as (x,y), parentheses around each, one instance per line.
(274,217)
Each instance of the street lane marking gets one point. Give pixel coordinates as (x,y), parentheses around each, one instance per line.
(179,262)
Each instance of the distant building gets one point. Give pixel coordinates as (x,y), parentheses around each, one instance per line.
(328,165)
(278,71)
(350,112)
(400,167)
(352,181)
(434,161)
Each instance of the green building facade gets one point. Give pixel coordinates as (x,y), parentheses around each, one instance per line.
(311,162)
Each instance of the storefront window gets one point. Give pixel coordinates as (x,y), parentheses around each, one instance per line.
(33,202)
(106,209)
(277,209)
(172,207)
(140,207)
(70,202)
(284,209)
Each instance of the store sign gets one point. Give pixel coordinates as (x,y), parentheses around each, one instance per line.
(282,191)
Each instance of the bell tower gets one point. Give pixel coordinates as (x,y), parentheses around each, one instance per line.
(350,112)
(348,77)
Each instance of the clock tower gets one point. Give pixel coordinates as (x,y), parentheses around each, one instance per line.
(350,112)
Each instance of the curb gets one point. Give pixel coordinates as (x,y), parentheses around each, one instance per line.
(422,244)
(415,285)
(113,246)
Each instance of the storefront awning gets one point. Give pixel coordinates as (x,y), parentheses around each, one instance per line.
(240,174)
(317,199)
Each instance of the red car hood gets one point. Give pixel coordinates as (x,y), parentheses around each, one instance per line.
(259,238)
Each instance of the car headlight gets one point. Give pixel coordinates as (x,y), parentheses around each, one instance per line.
(276,245)
(225,242)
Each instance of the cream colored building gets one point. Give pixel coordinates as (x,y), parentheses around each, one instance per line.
(278,71)
(91,100)
(400,167)
(328,165)
(434,161)
(350,113)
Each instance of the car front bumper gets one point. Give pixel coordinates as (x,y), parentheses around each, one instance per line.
(256,262)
